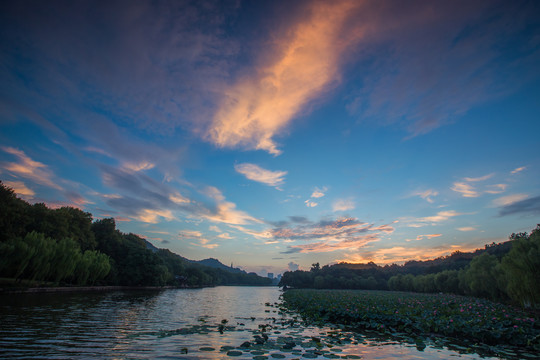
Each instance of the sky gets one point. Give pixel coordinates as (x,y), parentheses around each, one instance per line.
(276,134)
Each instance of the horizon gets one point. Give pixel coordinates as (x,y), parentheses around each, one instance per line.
(275,135)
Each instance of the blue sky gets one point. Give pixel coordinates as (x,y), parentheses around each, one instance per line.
(274,135)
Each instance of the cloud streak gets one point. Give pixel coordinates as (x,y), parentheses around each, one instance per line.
(330,235)
(529,206)
(441,216)
(343,205)
(401,254)
(27,168)
(256,173)
(260,106)
(466,189)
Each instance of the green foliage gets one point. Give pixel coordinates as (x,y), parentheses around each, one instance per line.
(484,278)
(39,258)
(64,246)
(522,268)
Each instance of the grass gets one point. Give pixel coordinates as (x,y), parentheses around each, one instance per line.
(419,316)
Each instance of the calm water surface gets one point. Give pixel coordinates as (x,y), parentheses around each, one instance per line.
(176,324)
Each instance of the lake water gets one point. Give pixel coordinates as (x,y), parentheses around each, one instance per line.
(178,324)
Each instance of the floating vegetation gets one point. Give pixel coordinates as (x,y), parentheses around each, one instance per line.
(234,353)
(415,318)
(207,348)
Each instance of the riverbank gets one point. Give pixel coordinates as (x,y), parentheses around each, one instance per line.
(60,289)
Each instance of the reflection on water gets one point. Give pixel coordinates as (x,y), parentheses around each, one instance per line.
(208,323)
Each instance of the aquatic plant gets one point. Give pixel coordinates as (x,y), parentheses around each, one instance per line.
(469,319)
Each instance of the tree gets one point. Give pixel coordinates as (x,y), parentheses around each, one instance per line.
(522,268)
(484,277)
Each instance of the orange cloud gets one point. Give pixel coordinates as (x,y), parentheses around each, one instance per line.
(141,166)
(256,173)
(339,234)
(152,216)
(432,220)
(257,108)
(329,246)
(464,189)
(343,205)
(20,188)
(29,169)
(226,212)
(509,199)
(429,236)
(427,195)
(467,190)
(400,254)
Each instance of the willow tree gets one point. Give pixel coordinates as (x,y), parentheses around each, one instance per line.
(522,268)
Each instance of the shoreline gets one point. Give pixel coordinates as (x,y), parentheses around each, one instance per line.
(60,289)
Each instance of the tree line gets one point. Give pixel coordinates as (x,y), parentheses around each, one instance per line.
(66,246)
(507,272)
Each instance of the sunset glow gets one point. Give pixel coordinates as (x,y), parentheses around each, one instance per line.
(274,135)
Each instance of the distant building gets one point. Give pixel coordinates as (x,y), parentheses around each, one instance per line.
(271,275)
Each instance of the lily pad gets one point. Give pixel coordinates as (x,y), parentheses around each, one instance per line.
(278,356)
(234,353)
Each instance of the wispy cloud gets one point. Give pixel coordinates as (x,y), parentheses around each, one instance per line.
(225,211)
(310,203)
(530,206)
(256,173)
(471,64)
(481,178)
(401,254)
(260,106)
(343,205)
(441,216)
(509,199)
(153,216)
(330,235)
(225,236)
(20,188)
(263,234)
(427,195)
(517,170)
(27,168)
(428,236)
(496,188)
(319,193)
(141,166)
(466,189)
(467,228)
(196,235)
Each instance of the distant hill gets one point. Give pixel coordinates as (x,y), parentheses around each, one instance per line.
(210,262)
(215,263)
